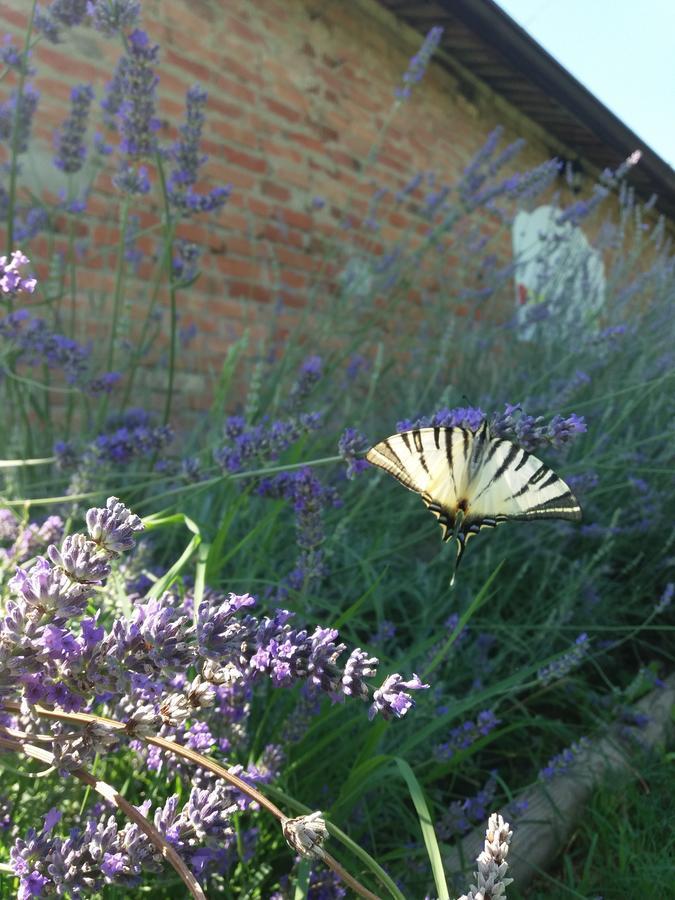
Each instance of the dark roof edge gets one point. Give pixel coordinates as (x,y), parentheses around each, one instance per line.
(527,56)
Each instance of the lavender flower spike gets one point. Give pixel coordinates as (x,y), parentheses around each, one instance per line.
(81,559)
(112,17)
(391,699)
(491,881)
(419,62)
(351,446)
(11,281)
(71,150)
(113,528)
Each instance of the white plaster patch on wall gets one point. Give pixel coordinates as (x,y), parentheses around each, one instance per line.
(559,275)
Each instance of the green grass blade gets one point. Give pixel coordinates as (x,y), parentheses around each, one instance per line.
(151,522)
(472,608)
(428,832)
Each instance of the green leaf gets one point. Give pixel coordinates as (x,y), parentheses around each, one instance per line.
(151,522)
(428,832)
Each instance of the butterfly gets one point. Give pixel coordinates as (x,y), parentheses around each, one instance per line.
(471,480)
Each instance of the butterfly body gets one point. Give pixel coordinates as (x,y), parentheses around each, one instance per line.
(488,480)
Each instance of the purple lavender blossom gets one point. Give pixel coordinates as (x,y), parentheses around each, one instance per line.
(32,222)
(386,632)
(101,147)
(132,180)
(52,590)
(68,12)
(579,210)
(138,123)
(103,384)
(102,853)
(351,446)
(392,699)
(475,173)
(58,15)
(81,559)
(461,416)
(260,442)
(562,430)
(461,816)
(11,280)
(564,761)
(66,455)
(52,663)
(466,734)
(71,149)
(29,540)
(410,187)
(583,483)
(184,267)
(532,433)
(309,498)
(9,525)
(114,93)
(15,58)
(359,666)
(33,344)
(111,17)
(45,25)
(114,527)
(419,63)
(17,113)
(311,372)
(272,646)
(566,663)
(188,160)
(126,443)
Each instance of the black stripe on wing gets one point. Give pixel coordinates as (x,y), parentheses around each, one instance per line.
(448,453)
(444,516)
(470,530)
(542,472)
(386,457)
(419,447)
(506,464)
(562,506)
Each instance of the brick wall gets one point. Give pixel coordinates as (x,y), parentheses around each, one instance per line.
(299,91)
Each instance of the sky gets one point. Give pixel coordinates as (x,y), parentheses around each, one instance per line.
(622,51)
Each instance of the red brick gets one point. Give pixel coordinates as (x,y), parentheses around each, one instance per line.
(235,26)
(292,279)
(237,268)
(297,219)
(304,140)
(232,133)
(259,208)
(283,111)
(234,67)
(257,292)
(275,191)
(279,151)
(18,19)
(245,160)
(185,64)
(233,88)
